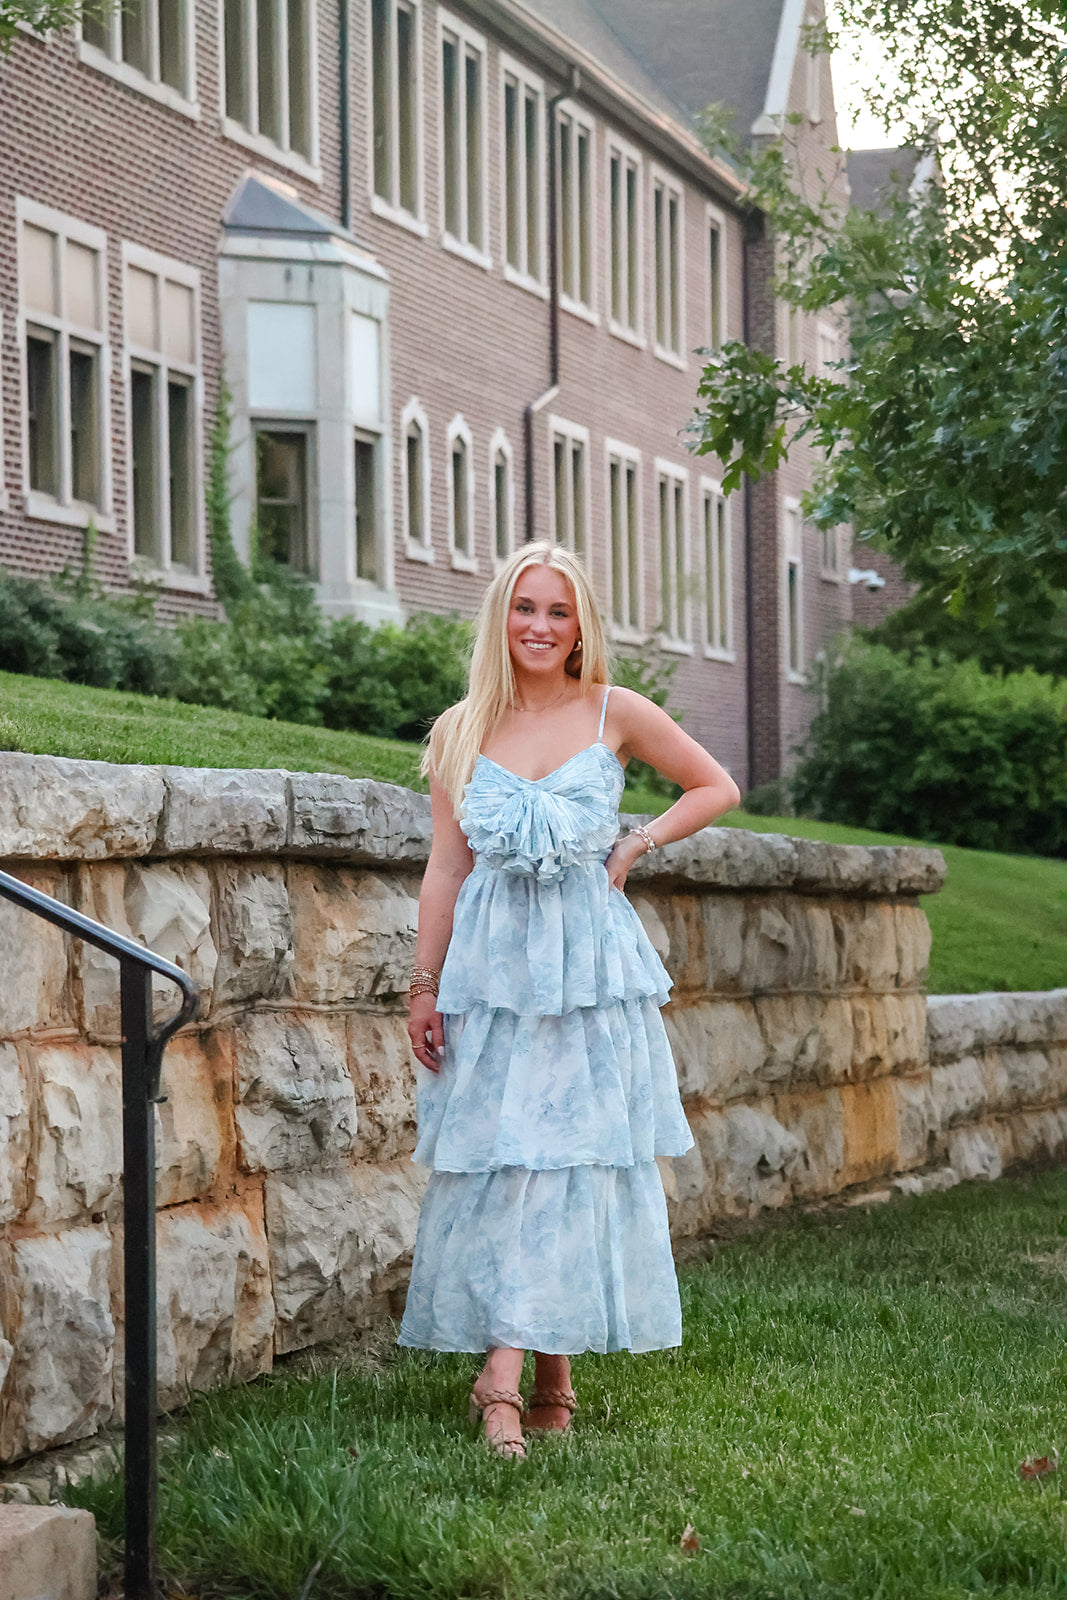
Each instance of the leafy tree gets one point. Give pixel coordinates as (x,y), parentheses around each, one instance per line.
(945,430)
(41,15)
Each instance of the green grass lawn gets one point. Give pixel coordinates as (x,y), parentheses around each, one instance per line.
(844,1421)
(1000,923)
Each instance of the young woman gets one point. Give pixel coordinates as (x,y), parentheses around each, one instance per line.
(534,1007)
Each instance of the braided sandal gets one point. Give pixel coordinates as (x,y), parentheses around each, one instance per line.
(509,1449)
(541,1398)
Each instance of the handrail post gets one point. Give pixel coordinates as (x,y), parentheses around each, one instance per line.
(139,1279)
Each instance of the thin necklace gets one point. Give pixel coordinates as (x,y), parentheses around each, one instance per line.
(547,707)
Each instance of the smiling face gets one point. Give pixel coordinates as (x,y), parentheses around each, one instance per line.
(542,621)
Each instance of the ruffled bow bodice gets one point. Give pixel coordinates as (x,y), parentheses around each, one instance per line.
(542,826)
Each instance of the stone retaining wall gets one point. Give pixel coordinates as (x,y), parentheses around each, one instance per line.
(288,1199)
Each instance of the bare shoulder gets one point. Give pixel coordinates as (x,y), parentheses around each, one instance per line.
(631,713)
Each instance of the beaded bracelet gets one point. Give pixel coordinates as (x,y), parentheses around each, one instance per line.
(650,843)
(424,980)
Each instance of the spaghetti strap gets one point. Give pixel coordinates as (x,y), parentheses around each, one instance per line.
(603,714)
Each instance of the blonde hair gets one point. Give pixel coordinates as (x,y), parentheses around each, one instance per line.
(459,733)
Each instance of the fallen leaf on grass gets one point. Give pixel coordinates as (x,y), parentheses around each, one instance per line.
(690,1539)
(1038,1466)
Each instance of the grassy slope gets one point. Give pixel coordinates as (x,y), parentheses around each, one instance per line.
(1001,923)
(844,1421)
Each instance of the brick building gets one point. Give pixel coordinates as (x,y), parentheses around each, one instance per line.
(349,208)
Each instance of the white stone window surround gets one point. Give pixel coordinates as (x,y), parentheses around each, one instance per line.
(793,581)
(459,432)
(250,139)
(499,446)
(575,535)
(338,280)
(830,565)
(717,297)
(528,83)
(63,508)
(413,415)
(675,561)
(626,456)
(628,154)
(413,221)
(673,278)
(110,61)
(467,39)
(573,120)
(163,267)
(711,490)
(4,500)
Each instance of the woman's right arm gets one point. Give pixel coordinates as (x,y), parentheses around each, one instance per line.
(449,864)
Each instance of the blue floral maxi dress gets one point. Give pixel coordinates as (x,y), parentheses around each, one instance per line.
(544,1224)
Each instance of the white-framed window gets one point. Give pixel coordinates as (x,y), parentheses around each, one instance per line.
(624,540)
(794,326)
(793,590)
(164,390)
(150,46)
(284,493)
(830,565)
(827,348)
(268,87)
(501,496)
(575,144)
(672,509)
(668,278)
(718,572)
(570,484)
(464,164)
(368,497)
(625,237)
(396,111)
(460,474)
(716,256)
(813,97)
(523,142)
(66,367)
(415,482)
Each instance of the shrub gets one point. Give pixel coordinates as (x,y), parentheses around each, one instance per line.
(394,681)
(937,750)
(66,629)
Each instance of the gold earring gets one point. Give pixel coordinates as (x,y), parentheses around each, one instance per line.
(578,646)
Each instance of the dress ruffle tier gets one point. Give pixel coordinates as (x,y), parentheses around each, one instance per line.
(544,1224)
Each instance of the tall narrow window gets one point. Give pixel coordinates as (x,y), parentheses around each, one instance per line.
(62,303)
(282,497)
(367,519)
(667,267)
(624,171)
(794,326)
(830,552)
(793,583)
(268,54)
(394,65)
(162,341)
(574,143)
(673,554)
(147,38)
(624,535)
(716,281)
(570,497)
(502,497)
(523,164)
(718,573)
(462,134)
(415,483)
(460,495)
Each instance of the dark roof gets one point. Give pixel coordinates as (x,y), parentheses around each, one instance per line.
(585,24)
(874,175)
(258,207)
(701,50)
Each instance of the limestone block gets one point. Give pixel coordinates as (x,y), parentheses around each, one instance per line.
(166,908)
(383,1075)
(842,868)
(724,943)
(79,1138)
(676,927)
(870,1038)
(717,1046)
(14,1135)
(1032,1077)
(47,1553)
(975,1152)
(254,926)
(866,934)
(667,1178)
(340,1242)
(968,1024)
(215,1308)
(869,1113)
(194,1123)
(651,914)
(905,1024)
(34,992)
(354,934)
(54,1289)
(60,810)
(917,1120)
(1039,1135)
(789,943)
(364,821)
(807,1038)
(913,945)
(817,1122)
(927,1182)
(749,1157)
(296,1106)
(724,858)
(959,1091)
(216,811)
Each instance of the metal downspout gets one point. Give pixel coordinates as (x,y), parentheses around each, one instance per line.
(750,555)
(344,52)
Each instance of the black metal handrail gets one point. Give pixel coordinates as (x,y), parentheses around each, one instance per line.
(142,1059)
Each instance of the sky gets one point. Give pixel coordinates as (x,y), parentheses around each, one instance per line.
(856,128)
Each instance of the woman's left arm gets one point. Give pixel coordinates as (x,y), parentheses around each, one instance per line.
(647,733)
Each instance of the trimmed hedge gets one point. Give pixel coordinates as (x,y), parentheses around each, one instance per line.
(937,750)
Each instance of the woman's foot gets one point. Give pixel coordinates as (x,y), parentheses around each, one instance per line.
(552,1401)
(496,1401)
